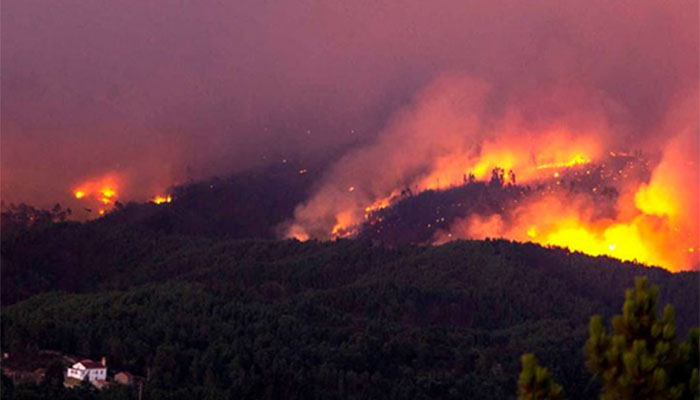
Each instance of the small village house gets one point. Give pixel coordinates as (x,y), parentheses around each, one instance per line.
(88,370)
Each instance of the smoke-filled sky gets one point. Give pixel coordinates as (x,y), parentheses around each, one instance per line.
(157,90)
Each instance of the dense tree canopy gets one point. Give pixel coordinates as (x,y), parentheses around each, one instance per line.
(212,318)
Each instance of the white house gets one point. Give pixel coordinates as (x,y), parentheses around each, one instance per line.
(88,370)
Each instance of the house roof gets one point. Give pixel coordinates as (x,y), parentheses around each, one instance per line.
(89,364)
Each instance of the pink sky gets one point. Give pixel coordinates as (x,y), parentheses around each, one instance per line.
(151,88)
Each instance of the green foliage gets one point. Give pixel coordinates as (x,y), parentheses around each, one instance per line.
(640,358)
(259,319)
(535,382)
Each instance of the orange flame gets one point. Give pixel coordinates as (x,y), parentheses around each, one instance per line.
(654,223)
(512,155)
(445,138)
(101,191)
(650,226)
(162,199)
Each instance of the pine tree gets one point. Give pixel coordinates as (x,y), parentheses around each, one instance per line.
(535,382)
(640,358)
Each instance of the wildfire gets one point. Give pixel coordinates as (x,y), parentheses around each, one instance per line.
(162,199)
(578,159)
(107,195)
(651,224)
(381,204)
(516,156)
(98,192)
(344,226)
(101,193)
(459,167)
(648,227)
(557,179)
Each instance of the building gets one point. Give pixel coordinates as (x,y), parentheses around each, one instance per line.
(124,378)
(88,370)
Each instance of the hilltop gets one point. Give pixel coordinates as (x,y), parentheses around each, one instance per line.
(209,303)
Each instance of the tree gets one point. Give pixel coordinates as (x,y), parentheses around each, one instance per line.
(535,382)
(640,358)
(497,177)
(54,373)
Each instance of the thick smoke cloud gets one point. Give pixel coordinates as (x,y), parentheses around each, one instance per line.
(157,90)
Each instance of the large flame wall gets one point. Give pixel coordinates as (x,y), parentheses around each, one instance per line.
(446,137)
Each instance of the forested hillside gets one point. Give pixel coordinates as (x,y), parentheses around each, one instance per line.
(345,319)
(46,250)
(197,297)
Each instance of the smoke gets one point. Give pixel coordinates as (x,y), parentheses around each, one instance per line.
(563,84)
(158,92)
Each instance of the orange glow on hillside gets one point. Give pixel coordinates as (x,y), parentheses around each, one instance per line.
(656,223)
(344,225)
(162,199)
(380,204)
(514,156)
(552,221)
(516,153)
(98,192)
(557,179)
(651,226)
(578,159)
(107,195)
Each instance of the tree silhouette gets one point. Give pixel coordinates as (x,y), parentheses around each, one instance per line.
(497,177)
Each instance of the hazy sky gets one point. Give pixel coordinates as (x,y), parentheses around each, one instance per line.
(150,88)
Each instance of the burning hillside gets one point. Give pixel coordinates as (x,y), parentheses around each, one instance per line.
(99,195)
(551,178)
